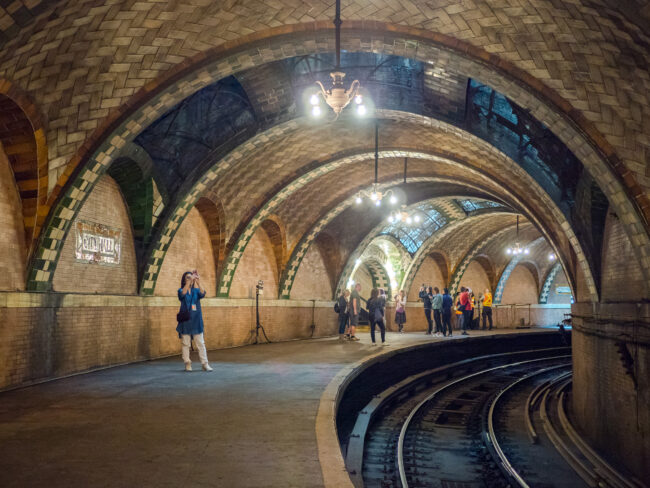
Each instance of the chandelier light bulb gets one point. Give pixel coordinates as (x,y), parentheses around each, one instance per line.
(551,257)
(374,197)
(316,111)
(314,99)
(390,219)
(508,251)
(398,217)
(358,99)
(377,203)
(361,110)
(409,220)
(358,200)
(393,199)
(416,219)
(526,251)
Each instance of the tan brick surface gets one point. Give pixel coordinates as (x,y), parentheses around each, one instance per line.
(12,237)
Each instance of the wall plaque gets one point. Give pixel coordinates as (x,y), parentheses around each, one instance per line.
(96,243)
(563,290)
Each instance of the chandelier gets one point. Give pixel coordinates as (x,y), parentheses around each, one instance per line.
(517,249)
(402,215)
(337,96)
(374,194)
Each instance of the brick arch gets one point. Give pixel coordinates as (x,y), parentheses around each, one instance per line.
(213,215)
(442,261)
(23,136)
(488,266)
(330,251)
(574,129)
(505,274)
(275,230)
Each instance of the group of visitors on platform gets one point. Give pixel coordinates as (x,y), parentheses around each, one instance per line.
(438,310)
(440,306)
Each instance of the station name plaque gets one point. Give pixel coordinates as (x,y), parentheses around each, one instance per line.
(96,243)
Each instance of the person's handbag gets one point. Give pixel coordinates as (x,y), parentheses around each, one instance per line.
(183,315)
(378,315)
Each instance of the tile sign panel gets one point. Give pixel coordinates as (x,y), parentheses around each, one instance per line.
(96,243)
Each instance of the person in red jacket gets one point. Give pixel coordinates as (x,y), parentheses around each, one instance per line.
(466,308)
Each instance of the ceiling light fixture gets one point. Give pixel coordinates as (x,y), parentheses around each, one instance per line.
(337,96)
(402,215)
(517,249)
(374,193)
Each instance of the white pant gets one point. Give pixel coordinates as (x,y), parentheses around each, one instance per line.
(200,346)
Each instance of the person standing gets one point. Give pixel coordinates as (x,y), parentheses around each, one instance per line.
(447,304)
(355,308)
(400,310)
(487,308)
(465,308)
(376,316)
(425,296)
(190,319)
(436,305)
(344,316)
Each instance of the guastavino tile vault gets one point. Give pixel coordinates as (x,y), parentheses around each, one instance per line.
(475,173)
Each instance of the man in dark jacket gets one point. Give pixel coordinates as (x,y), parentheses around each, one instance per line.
(447,304)
(426,295)
(344,315)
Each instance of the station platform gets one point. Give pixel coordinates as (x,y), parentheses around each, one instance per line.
(262,418)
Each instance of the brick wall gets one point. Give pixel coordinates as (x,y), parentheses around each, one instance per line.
(54,334)
(191,249)
(521,287)
(429,273)
(12,236)
(606,405)
(476,278)
(105,206)
(257,263)
(622,279)
(312,280)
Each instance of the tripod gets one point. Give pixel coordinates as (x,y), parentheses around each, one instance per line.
(258,325)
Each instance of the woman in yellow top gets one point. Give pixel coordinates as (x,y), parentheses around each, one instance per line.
(487,308)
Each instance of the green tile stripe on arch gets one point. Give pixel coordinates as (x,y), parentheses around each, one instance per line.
(505,275)
(176,218)
(225,281)
(457,275)
(546,287)
(379,275)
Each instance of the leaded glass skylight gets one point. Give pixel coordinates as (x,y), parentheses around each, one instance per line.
(472,205)
(412,236)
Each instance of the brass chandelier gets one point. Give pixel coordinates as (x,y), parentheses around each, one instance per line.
(517,249)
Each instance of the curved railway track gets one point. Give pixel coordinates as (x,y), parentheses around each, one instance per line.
(494,421)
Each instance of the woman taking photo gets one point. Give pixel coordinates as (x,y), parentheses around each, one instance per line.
(190,319)
(400,310)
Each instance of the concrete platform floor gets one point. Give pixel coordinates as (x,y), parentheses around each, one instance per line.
(250,423)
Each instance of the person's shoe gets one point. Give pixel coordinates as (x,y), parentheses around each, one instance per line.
(354,338)
(341,337)
(385,344)
(464,333)
(206,367)
(188,366)
(373,344)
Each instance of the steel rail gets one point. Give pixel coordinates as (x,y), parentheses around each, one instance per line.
(531,401)
(405,426)
(509,469)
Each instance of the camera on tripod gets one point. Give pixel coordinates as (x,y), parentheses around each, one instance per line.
(259,287)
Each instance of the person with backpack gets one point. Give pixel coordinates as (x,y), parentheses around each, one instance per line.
(190,319)
(341,307)
(426,297)
(376,306)
(400,310)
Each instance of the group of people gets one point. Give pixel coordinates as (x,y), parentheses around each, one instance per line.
(348,306)
(465,304)
(437,310)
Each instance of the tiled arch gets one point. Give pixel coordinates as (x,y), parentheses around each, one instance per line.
(548,281)
(23,135)
(505,275)
(579,134)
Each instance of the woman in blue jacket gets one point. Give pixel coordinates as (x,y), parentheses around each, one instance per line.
(190,319)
